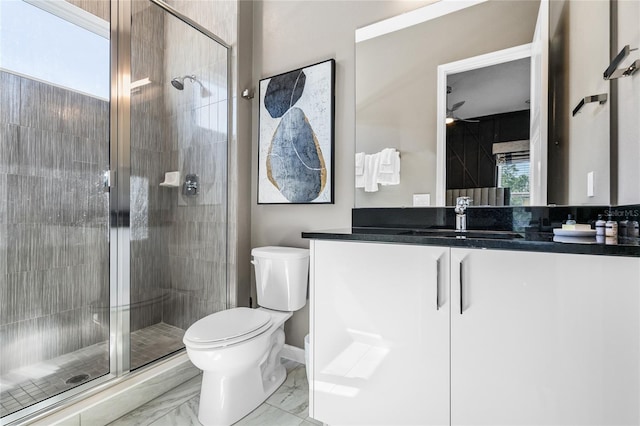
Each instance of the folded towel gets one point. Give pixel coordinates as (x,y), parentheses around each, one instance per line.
(359,163)
(390,175)
(371,166)
(386,157)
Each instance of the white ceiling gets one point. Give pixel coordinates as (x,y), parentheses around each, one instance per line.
(491,90)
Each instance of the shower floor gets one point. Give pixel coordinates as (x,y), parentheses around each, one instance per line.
(29,385)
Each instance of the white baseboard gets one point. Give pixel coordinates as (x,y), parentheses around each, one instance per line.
(293,353)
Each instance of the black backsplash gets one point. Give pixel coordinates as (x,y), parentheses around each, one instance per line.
(519,219)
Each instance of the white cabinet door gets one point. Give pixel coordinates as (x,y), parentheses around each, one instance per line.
(544,339)
(380,346)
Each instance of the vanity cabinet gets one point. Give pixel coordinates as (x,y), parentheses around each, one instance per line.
(380,345)
(517,337)
(544,338)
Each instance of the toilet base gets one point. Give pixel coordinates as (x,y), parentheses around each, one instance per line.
(278,378)
(228,398)
(215,415)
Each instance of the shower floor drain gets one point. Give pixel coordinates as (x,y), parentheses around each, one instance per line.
(77,379)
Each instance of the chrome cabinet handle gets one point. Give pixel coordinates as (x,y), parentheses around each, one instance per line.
(438,284)
(461,287)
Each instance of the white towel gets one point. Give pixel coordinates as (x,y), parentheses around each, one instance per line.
(359,163)
(360,169)
(371,167)
(387,158)
(390,175)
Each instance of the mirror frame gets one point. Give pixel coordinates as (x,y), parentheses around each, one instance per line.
(408,19)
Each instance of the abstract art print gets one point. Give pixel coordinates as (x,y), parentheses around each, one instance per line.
(296,136)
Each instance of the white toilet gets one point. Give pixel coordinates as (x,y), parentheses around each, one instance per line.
(239,349)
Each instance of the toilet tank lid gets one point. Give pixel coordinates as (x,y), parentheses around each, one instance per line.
(280,252)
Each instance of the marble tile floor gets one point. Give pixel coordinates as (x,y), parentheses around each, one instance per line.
(29,385)
(288,406)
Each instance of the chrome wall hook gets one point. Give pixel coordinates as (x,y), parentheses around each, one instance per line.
(247,94)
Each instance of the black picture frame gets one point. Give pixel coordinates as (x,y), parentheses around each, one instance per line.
(296,136)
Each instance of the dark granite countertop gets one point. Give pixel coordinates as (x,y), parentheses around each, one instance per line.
(524,241)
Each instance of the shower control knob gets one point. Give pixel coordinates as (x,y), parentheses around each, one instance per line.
(190,187)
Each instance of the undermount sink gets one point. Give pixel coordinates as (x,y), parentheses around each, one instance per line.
(450,233)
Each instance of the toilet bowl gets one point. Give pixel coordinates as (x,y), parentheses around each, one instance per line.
(239,349)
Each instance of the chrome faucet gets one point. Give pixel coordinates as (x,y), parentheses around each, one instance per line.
(461,213)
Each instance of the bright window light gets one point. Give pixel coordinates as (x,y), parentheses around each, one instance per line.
(45,47)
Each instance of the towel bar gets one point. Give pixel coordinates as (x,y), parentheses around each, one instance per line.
(612,72)
(601,99)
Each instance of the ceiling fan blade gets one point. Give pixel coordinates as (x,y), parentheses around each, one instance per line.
(457,105)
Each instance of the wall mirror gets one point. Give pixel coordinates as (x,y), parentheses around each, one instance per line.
(403,100)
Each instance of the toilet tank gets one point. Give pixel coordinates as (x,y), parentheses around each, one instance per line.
(282,274)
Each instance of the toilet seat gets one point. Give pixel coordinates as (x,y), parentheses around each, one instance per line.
(227,327)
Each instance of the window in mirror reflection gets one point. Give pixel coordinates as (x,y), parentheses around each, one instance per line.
(513,173)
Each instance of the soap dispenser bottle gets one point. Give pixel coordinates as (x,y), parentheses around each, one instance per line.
(633,230)
(600,226)
(623,228)
(611,227)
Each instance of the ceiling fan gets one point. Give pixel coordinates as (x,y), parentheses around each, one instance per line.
(451,117)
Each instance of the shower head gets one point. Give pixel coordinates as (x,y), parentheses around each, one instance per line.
(178,82)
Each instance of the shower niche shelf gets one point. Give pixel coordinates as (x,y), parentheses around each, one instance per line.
(171,180)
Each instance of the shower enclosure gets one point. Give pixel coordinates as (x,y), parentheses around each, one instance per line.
(113,191)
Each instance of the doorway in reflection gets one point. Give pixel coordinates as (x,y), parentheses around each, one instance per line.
(487,134)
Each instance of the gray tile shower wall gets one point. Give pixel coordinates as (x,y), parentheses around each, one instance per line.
(197,139)
(178,247)
(100,8)
(54,260)
(150,205)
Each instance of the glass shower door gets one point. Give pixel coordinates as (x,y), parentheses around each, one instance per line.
(178,195)
(105,260)
(54,206)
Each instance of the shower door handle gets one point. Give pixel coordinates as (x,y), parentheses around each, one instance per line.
(461,287)
(107,180)
(438,284)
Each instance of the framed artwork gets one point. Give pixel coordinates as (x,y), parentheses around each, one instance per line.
(296,136)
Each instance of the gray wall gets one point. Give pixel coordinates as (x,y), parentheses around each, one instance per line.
(583,141)
(290,35)
(587,55)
